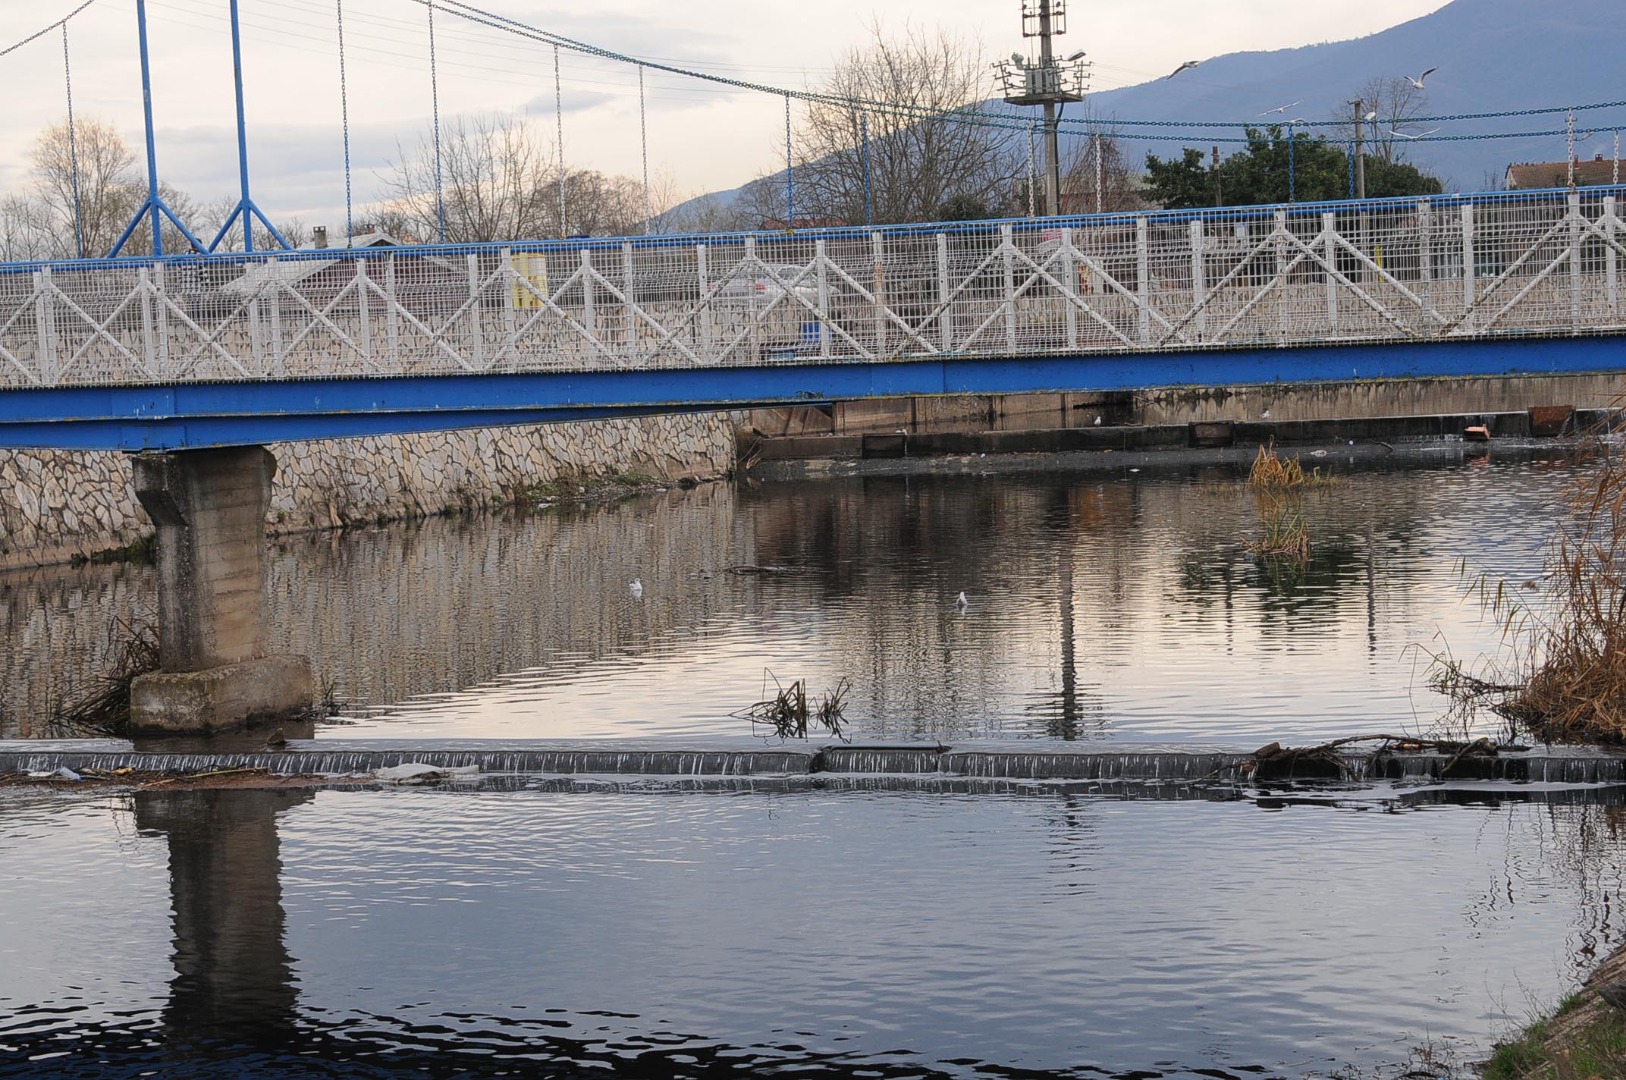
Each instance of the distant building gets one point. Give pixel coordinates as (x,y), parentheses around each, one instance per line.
(1556,174)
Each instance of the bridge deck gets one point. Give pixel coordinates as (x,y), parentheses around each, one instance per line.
(216,350)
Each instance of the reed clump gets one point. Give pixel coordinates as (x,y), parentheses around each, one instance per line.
(1278,484)
(788,712)
(1285,535)
(1565,676)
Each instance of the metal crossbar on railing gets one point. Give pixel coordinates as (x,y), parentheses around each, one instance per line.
(1423,270)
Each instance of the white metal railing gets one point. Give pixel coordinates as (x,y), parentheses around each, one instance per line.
(1426,269)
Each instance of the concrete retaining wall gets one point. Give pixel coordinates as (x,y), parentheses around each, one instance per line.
(57,504)
(1307,401)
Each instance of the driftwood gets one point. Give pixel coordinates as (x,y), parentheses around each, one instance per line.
(1323,760)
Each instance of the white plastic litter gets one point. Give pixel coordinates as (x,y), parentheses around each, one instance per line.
(413,772)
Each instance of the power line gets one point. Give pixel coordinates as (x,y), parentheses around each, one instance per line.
(9,49)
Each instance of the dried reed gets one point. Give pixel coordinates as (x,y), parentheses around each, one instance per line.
(1565,680)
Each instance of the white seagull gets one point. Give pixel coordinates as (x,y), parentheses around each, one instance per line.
(1371,116)
(1279,109)
(636,588)
(1419,135)
(1417,83)
(961,602)
(1183,67)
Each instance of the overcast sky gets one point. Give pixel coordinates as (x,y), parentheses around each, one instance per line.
(703,136)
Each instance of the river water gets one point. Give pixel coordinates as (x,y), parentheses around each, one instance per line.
(641,928)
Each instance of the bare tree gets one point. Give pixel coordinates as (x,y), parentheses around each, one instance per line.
(493,181)
(600,205)
(706,214)
(498,181)
(916,98)
(1392,102)
(208,217)
(109,185)
(25,230)
(1095,177)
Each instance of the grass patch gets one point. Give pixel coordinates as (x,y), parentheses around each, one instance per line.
(1597,1051)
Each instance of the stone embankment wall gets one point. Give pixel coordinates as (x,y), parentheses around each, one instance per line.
(1351,400)
(57,504)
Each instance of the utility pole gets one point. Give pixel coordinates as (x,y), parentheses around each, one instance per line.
(1219,196)
(1052,149)
(1045,82)
(1360,154)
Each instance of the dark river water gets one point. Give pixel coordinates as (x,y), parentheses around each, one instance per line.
(597,927)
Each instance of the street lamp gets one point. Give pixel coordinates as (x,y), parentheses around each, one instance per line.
(1047,81)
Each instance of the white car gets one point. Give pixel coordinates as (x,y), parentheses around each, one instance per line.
(803,287)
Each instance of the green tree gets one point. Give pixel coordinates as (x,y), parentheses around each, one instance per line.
(1390,178)
(1274,166)
(1179,184)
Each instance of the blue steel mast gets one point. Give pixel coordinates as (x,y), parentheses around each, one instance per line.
(245,204)
(154,206)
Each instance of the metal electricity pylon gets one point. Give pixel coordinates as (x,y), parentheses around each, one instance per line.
(1045,81)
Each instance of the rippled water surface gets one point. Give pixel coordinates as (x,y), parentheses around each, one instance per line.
(650,933)
(1100,606)
(642,928)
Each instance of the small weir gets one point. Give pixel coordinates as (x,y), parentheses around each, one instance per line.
(977,762)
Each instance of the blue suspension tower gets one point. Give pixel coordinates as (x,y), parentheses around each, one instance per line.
(245,208)
(154,207)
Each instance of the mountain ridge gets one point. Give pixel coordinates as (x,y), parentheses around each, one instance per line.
(1488,56)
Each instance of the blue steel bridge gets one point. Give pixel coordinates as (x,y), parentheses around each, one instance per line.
(202,351)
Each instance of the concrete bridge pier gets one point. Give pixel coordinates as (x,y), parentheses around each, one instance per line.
(209,509)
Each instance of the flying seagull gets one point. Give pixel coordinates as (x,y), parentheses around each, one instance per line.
(1279,109)
(1182,67)
(1417,83)
(1419,135)
(1371,116)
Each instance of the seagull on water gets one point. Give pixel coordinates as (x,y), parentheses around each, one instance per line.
(1417,83)
(636,588)
(1183,67)
(1419,135)
(961,602)
(1280,108)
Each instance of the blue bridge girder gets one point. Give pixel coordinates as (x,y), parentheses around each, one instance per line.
(183,416)
(375,338)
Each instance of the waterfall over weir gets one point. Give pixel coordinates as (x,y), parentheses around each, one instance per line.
(979,761)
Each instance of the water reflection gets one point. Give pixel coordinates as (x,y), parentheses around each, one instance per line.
(1056,935)
(1100,607)
(233,982)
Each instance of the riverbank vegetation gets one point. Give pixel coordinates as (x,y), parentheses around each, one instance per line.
(1584,1038)
(1562,677)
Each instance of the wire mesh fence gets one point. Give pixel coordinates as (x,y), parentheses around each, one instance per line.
(1417,269)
